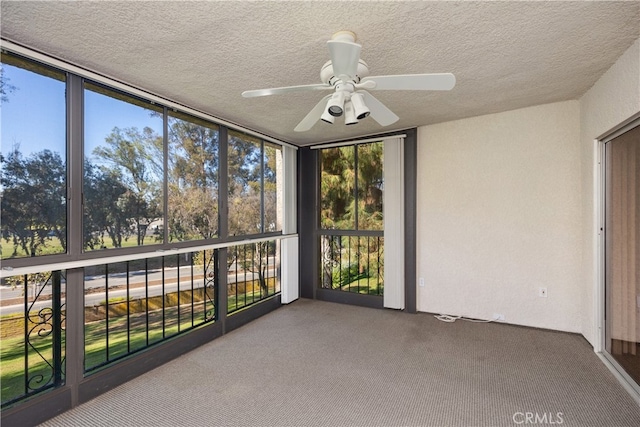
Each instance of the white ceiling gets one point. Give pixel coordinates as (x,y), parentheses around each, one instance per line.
(505,55)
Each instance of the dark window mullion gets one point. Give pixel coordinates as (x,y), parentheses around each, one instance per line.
(223,183)
(75,165)
(355,185)
(165,175)
(262,161)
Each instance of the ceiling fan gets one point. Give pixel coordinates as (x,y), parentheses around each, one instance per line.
(348,76)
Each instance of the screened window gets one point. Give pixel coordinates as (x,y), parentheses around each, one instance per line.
(255,185)
(193,164)
(245,160)
(123,170)
(272,187)
(370,186)
(33,160)
(147,174)
(351,187)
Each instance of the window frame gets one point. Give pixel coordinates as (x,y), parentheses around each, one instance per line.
(51,258)
(262,232)
(76,78)
(347,231)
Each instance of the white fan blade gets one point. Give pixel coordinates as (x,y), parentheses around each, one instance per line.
(344,57)
(287,89)
(441,81)
(313,116)
(379,112)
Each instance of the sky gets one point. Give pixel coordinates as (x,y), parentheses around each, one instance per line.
(34,116)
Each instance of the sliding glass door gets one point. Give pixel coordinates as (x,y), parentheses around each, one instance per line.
(622,251)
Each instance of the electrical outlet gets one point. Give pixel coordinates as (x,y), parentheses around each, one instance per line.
(497,316)
(422,282)
(542,292)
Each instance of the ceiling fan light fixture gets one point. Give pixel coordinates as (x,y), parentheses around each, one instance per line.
(335,106)
(360,109)
(326,117)
(349,114)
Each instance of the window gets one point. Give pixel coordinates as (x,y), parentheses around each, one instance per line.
(255,170)
(351,233)
(193,163)
(33,174)
(143,174)
(272,187)
(351,187)
(370,186)
(123,170)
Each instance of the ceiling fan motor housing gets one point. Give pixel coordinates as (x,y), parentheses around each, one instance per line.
(327,75)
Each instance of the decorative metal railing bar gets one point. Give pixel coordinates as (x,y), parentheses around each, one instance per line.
(352,261)
(128,321)
(33,342)
(129,306)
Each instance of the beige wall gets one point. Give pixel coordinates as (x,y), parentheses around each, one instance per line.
(506,204)
(613,99)
(499,215)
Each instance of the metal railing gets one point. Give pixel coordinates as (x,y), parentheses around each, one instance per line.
(128,306)
(352,262)
(32,354)
(132,305)
(253,273)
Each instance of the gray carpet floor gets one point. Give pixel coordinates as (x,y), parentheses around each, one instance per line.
(315,363)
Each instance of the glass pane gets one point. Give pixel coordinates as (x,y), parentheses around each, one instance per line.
(337,184)
(272,187)
(245,160)
(33,159)
(123,170)
(193,178)
(370,186)
(622,249)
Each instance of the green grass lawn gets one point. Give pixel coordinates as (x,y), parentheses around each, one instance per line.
(364,285)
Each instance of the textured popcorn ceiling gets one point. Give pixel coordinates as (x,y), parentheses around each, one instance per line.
(505,55)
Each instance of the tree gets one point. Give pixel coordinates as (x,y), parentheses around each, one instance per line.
(254,258)
(370,184)
(101,215)
(5,87)
(244,161)
(33,201)
(272,164)
(193,180)
(135,158)
(337,183)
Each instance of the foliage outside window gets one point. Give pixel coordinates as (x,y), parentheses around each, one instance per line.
(272,187)
(351,187)
(123,170)
(193,164)
(33,165)
(253,185)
